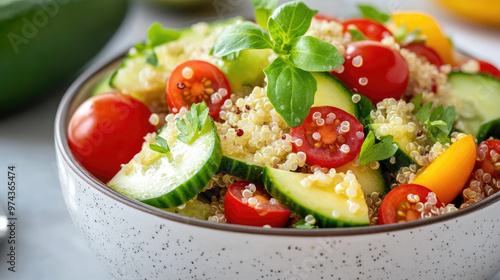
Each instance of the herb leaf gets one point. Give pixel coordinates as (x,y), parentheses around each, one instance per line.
(196,118)
(302,225)
(371,151)
(243,36)
(417,102)
(357,35)
(263,10)
(371,12)
(290,90)
(439,122)
(294,17)
(162,146)
(158,35)
(314,55)
(278,35)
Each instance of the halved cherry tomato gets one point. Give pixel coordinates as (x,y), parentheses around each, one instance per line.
(244,206)
(329,136)
(426,52)
(107,130)
(374,70)
(487,68)
(195,81)
(488,158)
(401,204)
(371,29)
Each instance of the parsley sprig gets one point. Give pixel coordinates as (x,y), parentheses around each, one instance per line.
(439,122)
(196,118)
(372,151)
(291,87)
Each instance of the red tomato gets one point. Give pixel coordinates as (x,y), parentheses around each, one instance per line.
(240,210)
(334,143)
(195,81)
(374,70)
(426,52)
(371,29)
(106,131)
(397,207)
(488,155)
(325,17)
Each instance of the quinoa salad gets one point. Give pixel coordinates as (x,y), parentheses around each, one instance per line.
(298,119)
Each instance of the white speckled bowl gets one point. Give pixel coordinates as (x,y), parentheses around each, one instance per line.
(136,241)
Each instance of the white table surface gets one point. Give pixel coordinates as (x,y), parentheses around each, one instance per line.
(48,245)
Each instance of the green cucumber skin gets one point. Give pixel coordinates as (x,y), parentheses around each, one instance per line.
(481,92)
(241,170)
(489,129)
(194,185)
(328,84)
(39,47)
(300,210)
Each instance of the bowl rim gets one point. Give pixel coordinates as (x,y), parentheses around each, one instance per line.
(62,147)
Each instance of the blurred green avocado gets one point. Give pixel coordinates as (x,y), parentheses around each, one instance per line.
(44,42)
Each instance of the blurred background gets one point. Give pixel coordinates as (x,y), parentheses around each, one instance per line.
(45,45)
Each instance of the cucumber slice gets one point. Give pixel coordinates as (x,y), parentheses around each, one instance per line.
(489,129)
(239,168)
(332,92)
(480,94)
(320,200)
(171,179)
(371,180)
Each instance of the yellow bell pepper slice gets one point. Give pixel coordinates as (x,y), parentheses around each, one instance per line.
(435,38)
(447,175)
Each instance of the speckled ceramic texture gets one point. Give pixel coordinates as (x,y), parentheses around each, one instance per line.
(136,241)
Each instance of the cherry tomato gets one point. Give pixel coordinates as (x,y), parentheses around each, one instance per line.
(487,68)
(106,131)
(425,52)
(374,70)
(195,81)
(325,17)
(329,136)
(371,29)
(488,158)
(253,207)
(401,205)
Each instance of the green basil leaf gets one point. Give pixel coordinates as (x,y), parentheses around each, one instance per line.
(312,54)
(263,10)
(243,36)
(290,90)
(371,151)
(371,12)
(357,35)
(278,35)
(158,35)
(294,17)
